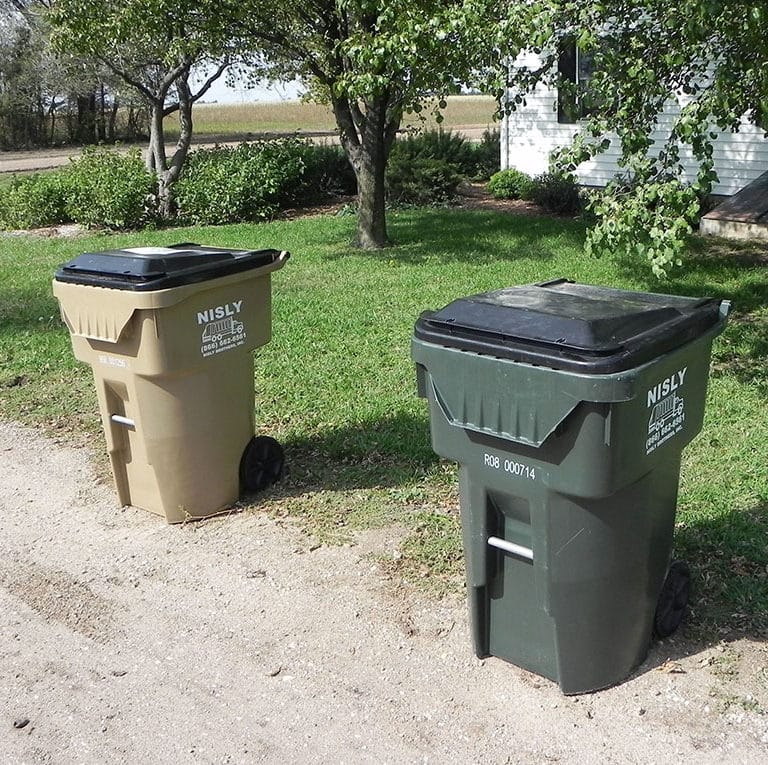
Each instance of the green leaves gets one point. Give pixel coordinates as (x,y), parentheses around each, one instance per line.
(243,183)
(163,30)
(109,188)
(651,220)
(408,49)
(695,63)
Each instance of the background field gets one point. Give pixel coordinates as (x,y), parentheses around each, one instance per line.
(231,123)
(241,120)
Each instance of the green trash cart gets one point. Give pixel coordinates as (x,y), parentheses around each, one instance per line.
(567,407)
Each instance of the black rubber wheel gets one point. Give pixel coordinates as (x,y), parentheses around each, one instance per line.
(262,464)
(673,599)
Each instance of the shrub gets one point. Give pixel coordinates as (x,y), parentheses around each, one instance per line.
(487,156)
(451,148)
(473,160)
(421,180)
(327,172)
(427,168)
(35,200)
(110,188)
(511,184)
(557,193)
(244,183)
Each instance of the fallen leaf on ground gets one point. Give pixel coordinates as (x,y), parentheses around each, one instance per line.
(671,667)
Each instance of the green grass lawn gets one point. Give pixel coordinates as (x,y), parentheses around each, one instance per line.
(336,385)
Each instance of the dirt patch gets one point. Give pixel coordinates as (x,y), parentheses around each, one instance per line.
(332,207)
(475,196)
(238,640)
(470,196)
(66,230)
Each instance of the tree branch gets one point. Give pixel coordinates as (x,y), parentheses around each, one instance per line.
(162,88)
(207,84)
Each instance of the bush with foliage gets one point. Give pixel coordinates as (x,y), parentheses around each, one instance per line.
(110,188)
(248,182)
(477,161)
(327,172)
(427,168)
(34,201)
(421,180)
(511,184)
(556,193)
(451,148)
(487,156)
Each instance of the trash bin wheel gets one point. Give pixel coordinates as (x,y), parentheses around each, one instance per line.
(261,464)
(673,599)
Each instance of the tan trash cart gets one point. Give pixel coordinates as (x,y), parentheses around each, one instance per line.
(168,332)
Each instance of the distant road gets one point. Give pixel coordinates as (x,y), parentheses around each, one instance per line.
(48,159)
(39,159)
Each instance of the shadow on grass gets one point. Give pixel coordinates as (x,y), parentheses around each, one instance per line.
(729,589)
(459,236)
(387,453)
(730,271)
(27,308)
(729,564)
(708,273)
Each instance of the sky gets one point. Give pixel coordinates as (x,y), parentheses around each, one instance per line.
(222,93)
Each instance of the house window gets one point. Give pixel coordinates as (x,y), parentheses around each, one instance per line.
(576,69)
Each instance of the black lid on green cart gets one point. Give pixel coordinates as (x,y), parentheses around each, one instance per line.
(564,325)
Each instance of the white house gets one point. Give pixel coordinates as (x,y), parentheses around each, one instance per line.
(529,134)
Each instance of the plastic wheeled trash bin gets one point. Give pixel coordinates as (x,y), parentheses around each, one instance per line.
(567,407)
(168,332)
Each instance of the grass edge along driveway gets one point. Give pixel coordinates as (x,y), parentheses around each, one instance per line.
(336,385)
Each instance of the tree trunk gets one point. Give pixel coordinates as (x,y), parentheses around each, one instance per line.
(371,198)
(173,171)
(100,118)
(86,122)
(367,133)
(112,121)
(157,161)
(137,124)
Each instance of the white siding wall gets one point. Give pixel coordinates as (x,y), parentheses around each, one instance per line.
(532,132)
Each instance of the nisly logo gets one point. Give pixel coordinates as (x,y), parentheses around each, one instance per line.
(219,312)
(666,386)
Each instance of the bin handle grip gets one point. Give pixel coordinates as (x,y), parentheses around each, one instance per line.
(120,420)
(511,547)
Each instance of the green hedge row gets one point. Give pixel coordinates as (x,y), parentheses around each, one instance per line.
(249,182)
(101,188)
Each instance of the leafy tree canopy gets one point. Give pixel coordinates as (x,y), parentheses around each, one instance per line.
(703,60)
(373,60)
(153,45)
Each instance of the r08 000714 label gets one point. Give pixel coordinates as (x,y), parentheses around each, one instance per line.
(513,467)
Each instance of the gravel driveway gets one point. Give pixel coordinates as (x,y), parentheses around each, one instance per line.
(236,640)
